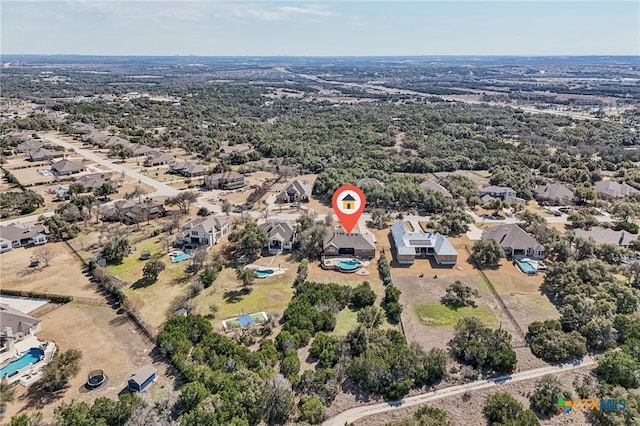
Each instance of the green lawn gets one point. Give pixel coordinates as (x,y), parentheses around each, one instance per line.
(131,267)
(438,315)
(347,320)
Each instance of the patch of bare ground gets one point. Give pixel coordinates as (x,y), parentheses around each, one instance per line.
(64,274)
(467,410)
(108,340)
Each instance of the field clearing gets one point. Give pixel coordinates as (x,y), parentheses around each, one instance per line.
(347,320)
(108,341)
(32,175)
(63,275)
(438,315)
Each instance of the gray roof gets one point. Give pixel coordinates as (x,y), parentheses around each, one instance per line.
(156,157)
(614,189)
(67,165)
(93,180)
(368,181)
(44,154)
(16,232)
(30,145)
(511,236)
(281,231)
(140,149)
(142,374)
(297,187)
(497,190)
(554,191)
(435,186)
(341,239)
(224,176)
(406,241)
(17,320)
(188,167)
(96,136)
(205,224)
(607,236)
(116,140)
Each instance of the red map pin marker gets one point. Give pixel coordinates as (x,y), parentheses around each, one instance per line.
(348,202)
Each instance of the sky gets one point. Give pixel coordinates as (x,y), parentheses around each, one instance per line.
(320,28)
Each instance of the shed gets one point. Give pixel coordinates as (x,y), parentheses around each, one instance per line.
(141,378)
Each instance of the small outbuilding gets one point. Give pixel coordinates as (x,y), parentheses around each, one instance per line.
(141,378)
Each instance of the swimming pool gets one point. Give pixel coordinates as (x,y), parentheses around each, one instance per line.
(264,273)
(62,191)
(526,267)
(180,257)
(348,265)
(33,355)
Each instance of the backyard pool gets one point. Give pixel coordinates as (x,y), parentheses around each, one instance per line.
(180,257)
(264,273)
(526,267)
(33,355)
(349,265)
(62,191)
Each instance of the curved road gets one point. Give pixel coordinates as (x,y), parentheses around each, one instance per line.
(357,413)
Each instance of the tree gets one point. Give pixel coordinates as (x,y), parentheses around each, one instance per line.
(279,400)
(311,410)
(192,394)
(152,269)
(59,228)
(197,259)
(325,348)
(625,211)
(370,316)
(500,407)
(247,243)
(487,253)
(546,393)
(45,253)
(424,416)
(7,393)
(582,218)
(363,295)
(618,368)
(247,276)
(183,201)
(549,342)
(105,190)
(226,207)
(585,194)
(379,219)
(481,347)
(453,223)
(62,367)
(77,188)
(116,250)
(203,212)
(290,365)
(459,295)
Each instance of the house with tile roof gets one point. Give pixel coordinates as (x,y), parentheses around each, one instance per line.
(409,245)
(281,236)
(205,231)
(514,240)
(341,243)
(294,192)
(556,194)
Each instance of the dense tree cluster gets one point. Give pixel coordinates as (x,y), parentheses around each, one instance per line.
(481,347)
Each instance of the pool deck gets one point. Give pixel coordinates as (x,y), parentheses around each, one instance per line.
(275,269)
(30,373)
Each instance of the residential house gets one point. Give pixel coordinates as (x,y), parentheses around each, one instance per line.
(115,141)
(341,243)
(140,149)
(225,180)
(436,187)
(555,194)
(44,154)
(93,181)
(205,231)
(281,236)
(21,236)
(67,167)
(610,189)
(409,245)
(155,158)
(16,326)
(29,146)
(514,240)
(368,181)
(96,137)
(188,169)
(601,235)
(503,192)
(295,191)
(130,212)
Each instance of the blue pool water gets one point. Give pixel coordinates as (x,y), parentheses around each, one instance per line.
(526,267)
(30,357)
(180,257)
(62,191)
(348,265)
(264,273)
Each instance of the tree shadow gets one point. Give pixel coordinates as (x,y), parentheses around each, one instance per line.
(37,398)
(361,395)
(142,283)
(233,296)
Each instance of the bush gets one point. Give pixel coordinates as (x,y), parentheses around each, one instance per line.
(363,296)
(630,227)
(384,270)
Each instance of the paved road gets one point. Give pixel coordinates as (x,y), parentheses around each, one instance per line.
(354,414)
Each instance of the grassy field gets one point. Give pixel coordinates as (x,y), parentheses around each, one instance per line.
(347,320)
(438,315)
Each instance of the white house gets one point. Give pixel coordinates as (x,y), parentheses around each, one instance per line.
(408,245)
(281,236)
(14,236)
(205,231)
(503,192)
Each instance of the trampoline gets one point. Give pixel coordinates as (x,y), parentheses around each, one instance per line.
(95,379)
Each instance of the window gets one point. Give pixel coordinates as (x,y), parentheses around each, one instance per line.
(194,232)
